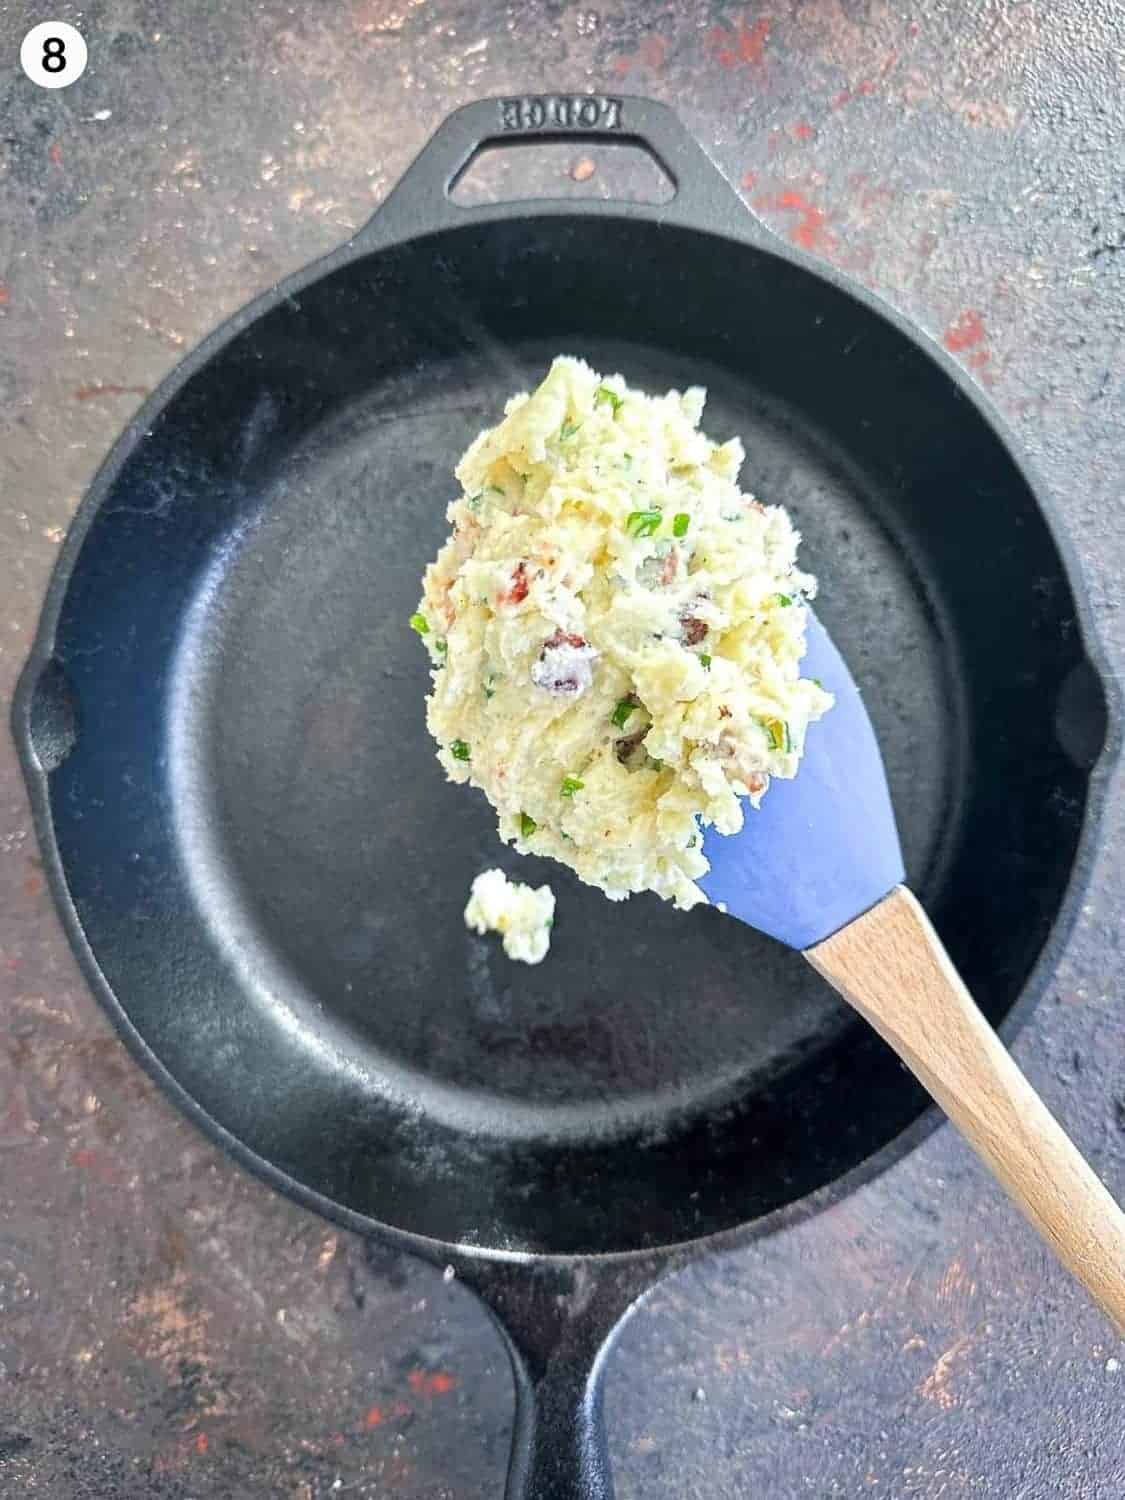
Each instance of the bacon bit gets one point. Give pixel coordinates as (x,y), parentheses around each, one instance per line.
(516,592)
(560,638)
(564,664)
(754,781)
(724,711)
(624,748)
(694,630)
(671,567)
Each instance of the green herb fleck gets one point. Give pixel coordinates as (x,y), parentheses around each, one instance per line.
(819,684)
(656,765)
(627,458)
(570,785)
(603,396)
(705,661)
(783,599)
(621,712)
(691,843)
(420,624)
(550,922)
(459,750)
(489,686)
(681,523)
(494,489)
(567,430)
(777,731)
(474,501)
(528,825)
(441,647)
(643,522)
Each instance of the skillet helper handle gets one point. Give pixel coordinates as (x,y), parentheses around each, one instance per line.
(891,966)
(420,201)
(559,1323)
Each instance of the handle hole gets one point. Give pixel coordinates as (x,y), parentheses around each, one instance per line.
(624,171)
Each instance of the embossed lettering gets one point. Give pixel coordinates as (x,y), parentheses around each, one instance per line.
(564,111)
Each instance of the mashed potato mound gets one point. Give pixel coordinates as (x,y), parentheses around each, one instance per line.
(523,916)
(615,631)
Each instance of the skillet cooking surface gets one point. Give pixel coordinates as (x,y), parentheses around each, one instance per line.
(267,861)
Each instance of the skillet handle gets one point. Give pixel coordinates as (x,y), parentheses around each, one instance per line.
(559,1323)
(420,201)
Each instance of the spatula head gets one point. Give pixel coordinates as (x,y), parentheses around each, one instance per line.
(823,848)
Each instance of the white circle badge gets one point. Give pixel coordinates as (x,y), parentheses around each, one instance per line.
(53,54)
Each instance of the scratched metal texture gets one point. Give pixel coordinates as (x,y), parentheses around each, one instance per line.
(170,1328)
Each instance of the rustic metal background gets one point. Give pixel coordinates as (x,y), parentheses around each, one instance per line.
(168,1327)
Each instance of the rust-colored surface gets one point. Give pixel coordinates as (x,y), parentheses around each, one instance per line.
(170,1328)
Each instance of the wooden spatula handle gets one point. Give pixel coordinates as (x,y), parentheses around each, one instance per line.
(891,966)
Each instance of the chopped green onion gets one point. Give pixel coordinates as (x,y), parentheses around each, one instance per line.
(459,750)
(705,661)
(620,715)
(783,599)
(691,843)
(441,647)
(550,922)
(628,458)
(680,524)
(489,686)
(603,396)
(643,522)
(657,765)
(778,733)
(819,684)
(494,489)
(570,785)
(528,825)
(567,430)
(474,501)
(420,624)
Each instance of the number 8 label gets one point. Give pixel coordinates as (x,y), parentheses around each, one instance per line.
(53,54)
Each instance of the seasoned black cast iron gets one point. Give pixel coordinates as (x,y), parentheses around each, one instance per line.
(260,864)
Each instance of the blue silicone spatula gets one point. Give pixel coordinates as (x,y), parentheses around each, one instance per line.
(819,867)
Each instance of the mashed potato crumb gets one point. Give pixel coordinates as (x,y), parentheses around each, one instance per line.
(521,915)
(615,631)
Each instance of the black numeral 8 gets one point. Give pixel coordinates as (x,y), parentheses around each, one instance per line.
(54,55)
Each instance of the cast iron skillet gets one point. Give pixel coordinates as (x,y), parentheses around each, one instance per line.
(260,864)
